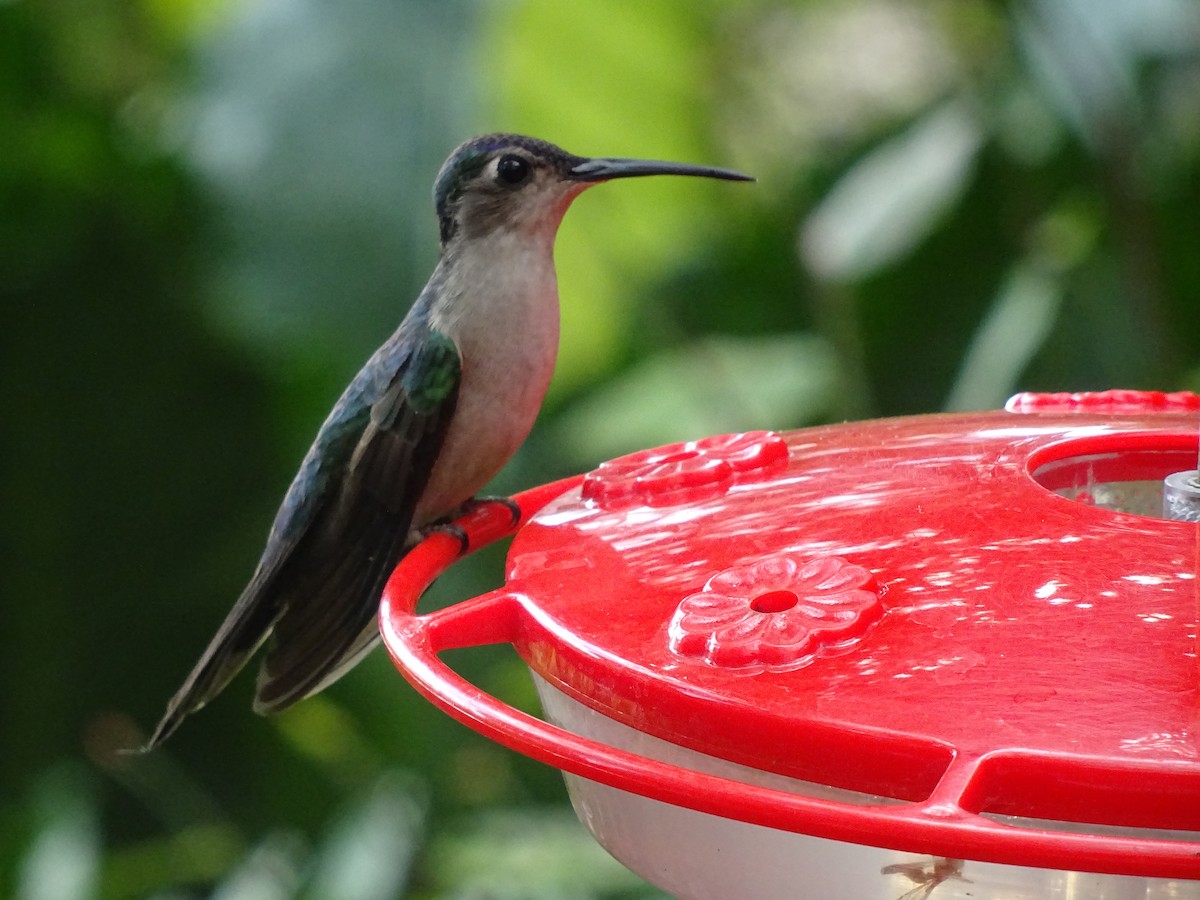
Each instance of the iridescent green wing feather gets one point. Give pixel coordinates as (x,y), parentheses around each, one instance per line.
(341,528)
(333,601)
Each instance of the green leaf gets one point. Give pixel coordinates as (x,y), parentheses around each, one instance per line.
(711,386)
(369,851)
(1086,56)
(63,861)
(892,199)
(271,871)
(1020,320)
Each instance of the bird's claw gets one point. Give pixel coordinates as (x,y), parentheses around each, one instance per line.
(449,525)
(451,529)
(513,507)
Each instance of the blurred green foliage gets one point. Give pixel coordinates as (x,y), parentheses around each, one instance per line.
(210,215)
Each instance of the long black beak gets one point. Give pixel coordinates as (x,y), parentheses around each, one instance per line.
(601,169)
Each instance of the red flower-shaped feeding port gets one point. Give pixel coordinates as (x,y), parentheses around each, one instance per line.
(777,612)
(685,472)
(1113,403)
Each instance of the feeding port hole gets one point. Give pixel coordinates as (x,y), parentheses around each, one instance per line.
(774,602)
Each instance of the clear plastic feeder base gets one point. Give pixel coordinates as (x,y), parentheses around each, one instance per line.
(698,856)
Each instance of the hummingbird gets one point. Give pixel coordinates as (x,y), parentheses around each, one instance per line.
(434,414)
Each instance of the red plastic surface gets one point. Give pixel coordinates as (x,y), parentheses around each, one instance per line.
(776,613)
(996,649)
(685,472)
(1105,402)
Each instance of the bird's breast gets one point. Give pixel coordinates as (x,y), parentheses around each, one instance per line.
(505,323)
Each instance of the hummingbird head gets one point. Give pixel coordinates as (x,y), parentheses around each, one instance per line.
(524,184)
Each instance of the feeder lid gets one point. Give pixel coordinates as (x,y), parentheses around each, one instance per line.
(864,605)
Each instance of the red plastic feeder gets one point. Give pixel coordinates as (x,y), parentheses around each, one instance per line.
(950,653)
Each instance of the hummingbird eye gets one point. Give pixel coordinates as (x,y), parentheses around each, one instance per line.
(512,170)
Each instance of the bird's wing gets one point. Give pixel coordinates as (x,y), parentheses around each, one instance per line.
(338,533)
(366,526)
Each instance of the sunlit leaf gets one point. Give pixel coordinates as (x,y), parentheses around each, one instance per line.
(368,853)
(892,198)
(1085,55)
(708,387)
(63,861)
(321,730)
(817,76)
(182,18)
(271,871)
(1019,321)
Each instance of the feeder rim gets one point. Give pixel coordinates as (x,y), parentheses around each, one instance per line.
(941,824)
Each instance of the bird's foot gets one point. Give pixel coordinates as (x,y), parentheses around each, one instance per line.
(449,525)
(514,508)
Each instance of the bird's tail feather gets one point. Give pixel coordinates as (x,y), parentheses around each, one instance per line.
(331,618)
(319,612)
(240,635)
